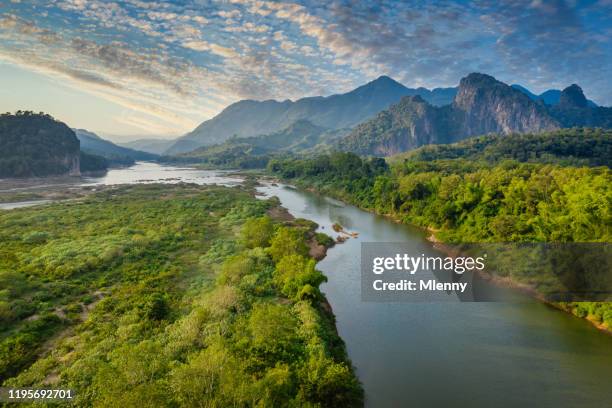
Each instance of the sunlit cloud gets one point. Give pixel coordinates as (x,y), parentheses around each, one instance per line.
(172,64)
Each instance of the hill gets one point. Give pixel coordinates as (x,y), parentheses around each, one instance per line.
(482,105)
(116,155)
(577,146)
(36,145)
(154,146)
(254,152)
(250,118)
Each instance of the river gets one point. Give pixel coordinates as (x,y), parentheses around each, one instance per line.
(438,354)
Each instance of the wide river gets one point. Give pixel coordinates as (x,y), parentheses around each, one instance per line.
(436,354)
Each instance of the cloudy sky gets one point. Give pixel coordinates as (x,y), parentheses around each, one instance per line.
(158,68)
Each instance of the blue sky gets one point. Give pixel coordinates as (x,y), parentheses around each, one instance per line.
(159,68)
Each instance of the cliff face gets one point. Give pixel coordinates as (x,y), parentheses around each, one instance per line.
(407,125)
(36,145)
(485,105)
(482,105)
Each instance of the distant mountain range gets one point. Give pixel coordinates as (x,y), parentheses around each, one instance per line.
(253,152)
(550,97)
(249,118)
(118,155)
(253,118)
(154,146)
(482,105)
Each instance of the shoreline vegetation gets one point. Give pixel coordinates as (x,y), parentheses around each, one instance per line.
(134,294)
(508,195)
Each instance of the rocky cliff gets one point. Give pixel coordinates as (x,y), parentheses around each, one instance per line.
(485,105)
(482,105)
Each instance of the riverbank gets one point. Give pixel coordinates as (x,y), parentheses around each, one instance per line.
(432,237)
(198,279)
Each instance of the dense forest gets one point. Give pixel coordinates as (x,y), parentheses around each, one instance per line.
(488,189)
(177,295)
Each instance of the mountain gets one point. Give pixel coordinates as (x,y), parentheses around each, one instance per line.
(252,152)
(404,126)
(93,144)
(574,109)
(154,146)
(482,105)
(36,145)
(550,97)
(252,118)
(485,105)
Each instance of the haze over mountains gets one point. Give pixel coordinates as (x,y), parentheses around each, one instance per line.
(381,118)
(94,144)
(250,118)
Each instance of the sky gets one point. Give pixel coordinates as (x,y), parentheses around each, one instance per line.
(131,69)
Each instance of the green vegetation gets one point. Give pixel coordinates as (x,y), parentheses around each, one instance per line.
(567,147)
(178,296)
(483,190)
(37,145)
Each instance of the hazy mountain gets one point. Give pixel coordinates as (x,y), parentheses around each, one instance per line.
(482,105)
(550,97)
(93,144)
(574,109)
(35,145)
(154,146)
(252,118)
(248,152)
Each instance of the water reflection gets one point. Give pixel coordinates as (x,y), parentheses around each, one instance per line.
(452,353)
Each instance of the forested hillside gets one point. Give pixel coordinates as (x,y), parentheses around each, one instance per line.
(115,155)
(36,145)
(160,295)
(488,189)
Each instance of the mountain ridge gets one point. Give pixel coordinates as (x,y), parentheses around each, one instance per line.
(482,105)
(249,118)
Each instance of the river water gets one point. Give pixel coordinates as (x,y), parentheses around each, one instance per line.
(438,354)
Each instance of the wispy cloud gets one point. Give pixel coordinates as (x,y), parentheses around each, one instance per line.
(174,64)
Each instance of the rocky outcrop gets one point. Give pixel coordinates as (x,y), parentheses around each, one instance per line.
(407,125)
(482,105)
(572,97)
(486,105)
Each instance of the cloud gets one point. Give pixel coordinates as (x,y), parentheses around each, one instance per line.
(177,63)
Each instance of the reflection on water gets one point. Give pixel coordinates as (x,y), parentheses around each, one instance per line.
(21,204)
(452,354)
(143,172)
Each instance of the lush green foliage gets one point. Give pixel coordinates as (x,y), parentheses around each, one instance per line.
(492,200)
(168,296)
(577,146)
